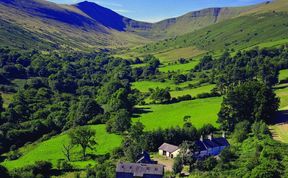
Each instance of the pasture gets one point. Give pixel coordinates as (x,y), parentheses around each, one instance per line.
(202,111)
(180,68)
(51,150)
(283,74)
(144,86)
(193,91)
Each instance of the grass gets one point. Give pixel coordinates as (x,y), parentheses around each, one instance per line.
(175,54)
(193,91)
(7,98)
(282,93)
(51,150)
(283,74)
(237,33)
(180,68)
(144,86)
(202,111)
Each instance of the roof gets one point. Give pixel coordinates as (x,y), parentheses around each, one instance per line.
(139,170)
(215,142)
(200,145)
(168,147)
(221,141)
(210,143)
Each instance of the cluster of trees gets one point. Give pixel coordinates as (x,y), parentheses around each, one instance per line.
(260,64)
(251,101)
(62,91)
(149,71)
(138,140)
(247,81)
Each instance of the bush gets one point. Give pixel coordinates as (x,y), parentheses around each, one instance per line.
(4,172)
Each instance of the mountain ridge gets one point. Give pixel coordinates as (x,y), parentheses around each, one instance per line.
(89,25)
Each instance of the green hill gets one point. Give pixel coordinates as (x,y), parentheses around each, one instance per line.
(260,26)
(51,150)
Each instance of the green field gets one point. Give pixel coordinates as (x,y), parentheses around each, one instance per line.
(202,111)
(193,91)
(239,33)
(282,93)
(51,150)
(144,86)
(180,68)
(283,74)
(7,98)
(175,54)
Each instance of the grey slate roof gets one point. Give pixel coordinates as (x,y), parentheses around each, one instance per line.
(221,141)
(168,147)
(139,170)
(215,142)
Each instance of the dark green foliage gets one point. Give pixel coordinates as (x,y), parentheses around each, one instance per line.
(178,165)
(207,164)
(4,172)
(120,122)
(241,131)
(39,169)
(160,95)
(62,90)
(251,101)
(83,136)
(103,170)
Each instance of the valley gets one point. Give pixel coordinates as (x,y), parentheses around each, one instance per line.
(84,89)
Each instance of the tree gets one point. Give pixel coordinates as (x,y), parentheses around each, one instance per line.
(122,121)
(4,172)
(241,131)
(161,95)
(137,131)
(83,136)
(178,165)
(252,101)
(259,129)
(67,151)
(1,104)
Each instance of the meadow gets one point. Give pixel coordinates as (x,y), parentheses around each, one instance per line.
(180,68)
(51,150)
(283,74)
(202,111)
(193,91)
(144,86)
(175,54)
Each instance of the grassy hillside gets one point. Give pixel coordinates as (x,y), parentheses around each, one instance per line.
(283,74)
(193,91)
(144,86)
(60,26)
(202,111)
(51,150)
(238,33)
(180,68)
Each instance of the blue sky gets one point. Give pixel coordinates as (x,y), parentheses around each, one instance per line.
(155,10)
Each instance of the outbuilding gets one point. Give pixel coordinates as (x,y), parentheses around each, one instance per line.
(169,150)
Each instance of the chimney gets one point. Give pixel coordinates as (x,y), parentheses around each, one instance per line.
(210,136)
(224,134)
(201,138)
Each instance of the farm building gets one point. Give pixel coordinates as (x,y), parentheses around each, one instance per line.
(211,146)
(130,170)
(169,150)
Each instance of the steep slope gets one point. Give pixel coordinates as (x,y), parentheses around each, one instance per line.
(264,25)
(192,21)
(60,25)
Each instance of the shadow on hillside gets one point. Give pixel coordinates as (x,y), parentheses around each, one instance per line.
(281,117)
(281,87)
(138,111)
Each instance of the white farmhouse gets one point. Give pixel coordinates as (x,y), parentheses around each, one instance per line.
(169,150)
